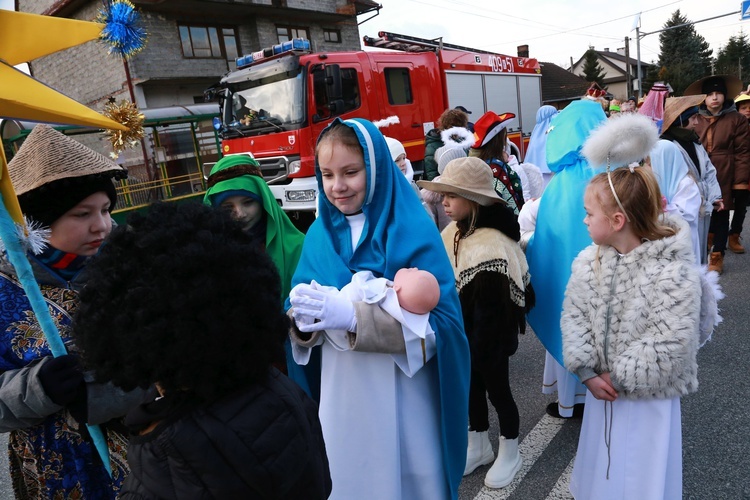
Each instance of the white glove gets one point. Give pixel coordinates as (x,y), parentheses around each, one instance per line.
(332,311)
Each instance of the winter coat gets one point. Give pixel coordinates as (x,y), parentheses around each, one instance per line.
(432,141)
(492,279)
(261,442)
(636,316)
(726,137)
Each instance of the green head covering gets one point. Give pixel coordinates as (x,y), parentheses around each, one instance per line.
(283,240)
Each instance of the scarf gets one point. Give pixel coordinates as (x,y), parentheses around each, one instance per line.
(64,264)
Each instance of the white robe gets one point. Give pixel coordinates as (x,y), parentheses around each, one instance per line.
(644,456)
(381,425)
(687,202)
(556,379)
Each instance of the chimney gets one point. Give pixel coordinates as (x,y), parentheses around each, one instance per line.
(523,50)
(621,51)
(606,49)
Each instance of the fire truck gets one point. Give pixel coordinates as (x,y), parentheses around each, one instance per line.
(278,100)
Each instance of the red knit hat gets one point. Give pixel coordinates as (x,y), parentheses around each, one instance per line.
(488,126)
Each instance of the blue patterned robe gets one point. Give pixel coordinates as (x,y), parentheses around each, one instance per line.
(52,455)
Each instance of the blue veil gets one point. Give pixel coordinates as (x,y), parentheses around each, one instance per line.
(397,233)
(669,167)
(538,142)
(560,233)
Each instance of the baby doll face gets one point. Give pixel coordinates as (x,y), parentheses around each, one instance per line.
(82,229)
(418,291)
(244,209)
(344,177)
(456,207)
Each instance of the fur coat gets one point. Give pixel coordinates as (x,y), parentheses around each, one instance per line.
(636,316)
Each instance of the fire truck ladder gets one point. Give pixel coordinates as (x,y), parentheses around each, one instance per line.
(406,43)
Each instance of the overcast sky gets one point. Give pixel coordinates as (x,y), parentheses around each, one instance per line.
(554,31)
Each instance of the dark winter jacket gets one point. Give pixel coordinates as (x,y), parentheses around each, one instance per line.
(492,279)
(432,141)
(726,137)
(264,442)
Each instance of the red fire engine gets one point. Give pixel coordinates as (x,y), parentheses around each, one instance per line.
(279,99)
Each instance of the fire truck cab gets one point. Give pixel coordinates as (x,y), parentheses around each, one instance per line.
(277,102)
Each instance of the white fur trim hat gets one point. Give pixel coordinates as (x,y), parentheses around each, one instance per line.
(620,141)
(470,178)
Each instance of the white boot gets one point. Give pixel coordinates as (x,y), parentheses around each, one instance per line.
(479,451)
(506,466)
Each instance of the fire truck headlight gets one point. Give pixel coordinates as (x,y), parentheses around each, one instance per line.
(304,195)
(294,166)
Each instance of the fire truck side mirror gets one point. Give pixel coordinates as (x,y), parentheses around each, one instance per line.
(328,91)
(333,83)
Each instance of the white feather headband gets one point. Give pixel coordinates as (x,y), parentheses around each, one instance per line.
(457,137)
(620,141)
(387,122)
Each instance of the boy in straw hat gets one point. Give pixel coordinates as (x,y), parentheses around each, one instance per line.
(726,136)
(66,189)
(680,118)
(492,279)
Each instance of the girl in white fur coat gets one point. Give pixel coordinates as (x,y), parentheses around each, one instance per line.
(630,333)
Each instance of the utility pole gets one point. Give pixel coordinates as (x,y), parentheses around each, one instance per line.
(628,70)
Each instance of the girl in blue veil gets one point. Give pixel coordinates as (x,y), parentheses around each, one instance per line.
(389,434)
(558,238)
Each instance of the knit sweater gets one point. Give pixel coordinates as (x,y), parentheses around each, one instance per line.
(635,316)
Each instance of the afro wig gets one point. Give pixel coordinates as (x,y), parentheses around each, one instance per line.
(181,296)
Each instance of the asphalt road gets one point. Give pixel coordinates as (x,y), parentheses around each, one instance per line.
(716,440)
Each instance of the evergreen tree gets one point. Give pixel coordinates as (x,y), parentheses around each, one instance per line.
(734,57)
(592,70)
(685,54)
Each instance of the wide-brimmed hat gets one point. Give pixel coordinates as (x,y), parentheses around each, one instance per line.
(488,126)
(729,85)
(48,155)
(470,178)
(675,106)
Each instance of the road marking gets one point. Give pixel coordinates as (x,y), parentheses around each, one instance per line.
(561,491)
(531,449)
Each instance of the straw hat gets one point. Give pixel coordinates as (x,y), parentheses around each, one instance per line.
(729,85)
(470,178)
(741,98)
(48,155)
(675,106)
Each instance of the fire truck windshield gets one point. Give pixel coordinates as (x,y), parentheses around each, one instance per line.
(273,103)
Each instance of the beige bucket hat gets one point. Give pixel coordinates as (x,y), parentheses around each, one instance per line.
(48,155)
(675,106)
(470,178)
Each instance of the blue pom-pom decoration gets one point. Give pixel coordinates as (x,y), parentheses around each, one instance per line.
(122,30)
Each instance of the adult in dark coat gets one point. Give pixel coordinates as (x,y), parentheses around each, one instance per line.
(726,136)
(183,298)
(433,140)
